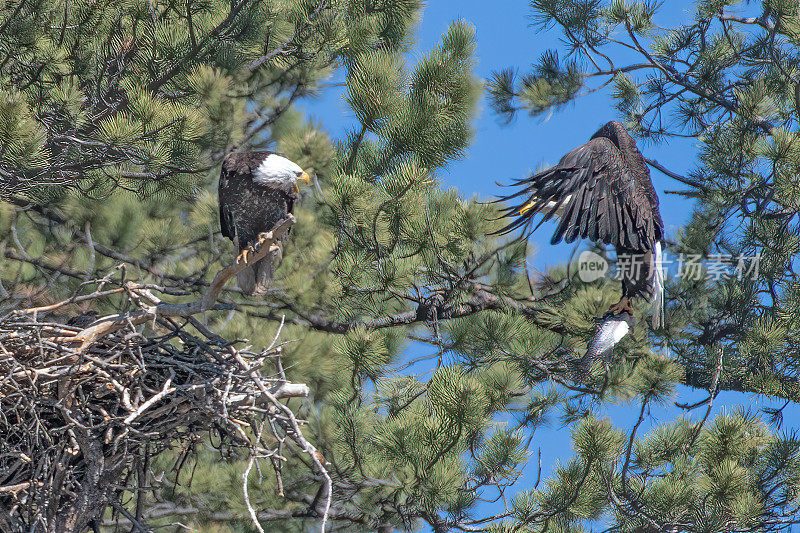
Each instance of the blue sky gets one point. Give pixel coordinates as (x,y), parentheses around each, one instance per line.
(505,38)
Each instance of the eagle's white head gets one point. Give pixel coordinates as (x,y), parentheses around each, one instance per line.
(278,172)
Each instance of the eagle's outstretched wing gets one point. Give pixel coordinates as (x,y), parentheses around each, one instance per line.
(595,197)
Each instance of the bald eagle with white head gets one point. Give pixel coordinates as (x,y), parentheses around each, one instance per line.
(601,191)
(256,191)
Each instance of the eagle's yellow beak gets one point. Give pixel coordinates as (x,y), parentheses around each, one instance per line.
(525,208)
(302,177)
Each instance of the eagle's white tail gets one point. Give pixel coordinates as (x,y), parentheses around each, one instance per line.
(658,287)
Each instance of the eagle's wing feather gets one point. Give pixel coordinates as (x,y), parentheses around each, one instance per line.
(226,218)
(593,194)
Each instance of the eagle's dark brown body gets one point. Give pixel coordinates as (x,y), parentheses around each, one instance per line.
(248,209)
(601,191)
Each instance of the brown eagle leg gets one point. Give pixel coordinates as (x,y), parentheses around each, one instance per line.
(623,306)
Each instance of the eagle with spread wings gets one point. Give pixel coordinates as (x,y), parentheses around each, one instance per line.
(257,190)
(601,191)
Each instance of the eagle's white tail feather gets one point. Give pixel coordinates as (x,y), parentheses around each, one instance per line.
(658,287)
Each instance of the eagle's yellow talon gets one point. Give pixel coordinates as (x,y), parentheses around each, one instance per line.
(242,257)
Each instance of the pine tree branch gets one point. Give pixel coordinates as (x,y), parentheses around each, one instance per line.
(275,115)
(480,300)
(167,510)
(14,256)
(686,181)
(681,79)
(763,21)
(615,71)
(156,84)
(13,16)
(703,379)
(256,63)
(55,217)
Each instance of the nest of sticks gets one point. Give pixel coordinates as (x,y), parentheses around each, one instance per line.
(84,408)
